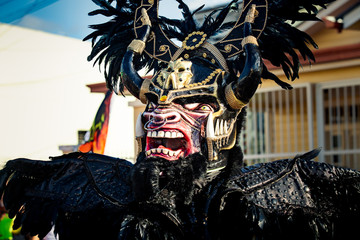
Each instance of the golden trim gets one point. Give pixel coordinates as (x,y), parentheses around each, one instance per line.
(145,17)
(249,39)
(144,89)
(217,54)
(252,14)
(209,142)
(199,42)
(137,46)
(231,99)
(206,80)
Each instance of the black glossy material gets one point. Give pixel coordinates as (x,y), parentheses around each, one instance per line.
(129,76)
(250,77)
(89,196)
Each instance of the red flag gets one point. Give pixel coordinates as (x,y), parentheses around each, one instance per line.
(99,129)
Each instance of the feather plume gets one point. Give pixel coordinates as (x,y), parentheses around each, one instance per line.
(280,42)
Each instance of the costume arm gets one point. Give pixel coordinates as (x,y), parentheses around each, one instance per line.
(66,189)
(295,198)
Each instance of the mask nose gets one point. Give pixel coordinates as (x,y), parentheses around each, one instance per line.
(159,117)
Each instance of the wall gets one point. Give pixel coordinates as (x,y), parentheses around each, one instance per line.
(44,100)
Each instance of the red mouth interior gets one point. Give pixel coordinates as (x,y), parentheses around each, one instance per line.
(170,148)
(169,143)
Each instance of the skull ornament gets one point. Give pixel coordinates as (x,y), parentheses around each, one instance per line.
(177,75)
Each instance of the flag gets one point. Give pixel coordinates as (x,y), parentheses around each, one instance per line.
(99,129)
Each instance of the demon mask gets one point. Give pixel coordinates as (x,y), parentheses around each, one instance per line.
(193,100)
(199,88)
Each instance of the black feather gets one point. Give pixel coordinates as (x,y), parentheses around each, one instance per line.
(280,42)
(110,39)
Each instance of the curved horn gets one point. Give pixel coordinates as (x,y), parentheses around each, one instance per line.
(231,44)
(129,76)
(159,46)
(239,93)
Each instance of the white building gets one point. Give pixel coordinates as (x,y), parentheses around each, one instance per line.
(44,100)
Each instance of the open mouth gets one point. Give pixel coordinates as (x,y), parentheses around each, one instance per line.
(168,144)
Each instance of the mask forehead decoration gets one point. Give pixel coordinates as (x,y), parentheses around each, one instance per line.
(176,75)
(198,89)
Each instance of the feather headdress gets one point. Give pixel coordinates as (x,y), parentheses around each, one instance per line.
(279,41)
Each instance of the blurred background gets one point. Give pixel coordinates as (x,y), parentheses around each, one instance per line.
(46,103)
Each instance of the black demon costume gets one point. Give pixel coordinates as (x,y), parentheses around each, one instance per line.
(189,181)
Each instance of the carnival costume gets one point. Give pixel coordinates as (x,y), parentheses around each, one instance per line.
(189,181)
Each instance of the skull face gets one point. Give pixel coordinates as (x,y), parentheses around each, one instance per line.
(177,75)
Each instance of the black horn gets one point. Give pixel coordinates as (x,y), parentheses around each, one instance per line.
(239,93)
(129,76)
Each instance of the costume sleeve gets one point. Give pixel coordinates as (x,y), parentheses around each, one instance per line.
(295,199)
(43,193)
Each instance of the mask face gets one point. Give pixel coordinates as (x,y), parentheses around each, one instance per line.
(185,115)
(175,130)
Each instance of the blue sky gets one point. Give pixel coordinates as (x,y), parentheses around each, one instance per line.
(64,17)
(70,17)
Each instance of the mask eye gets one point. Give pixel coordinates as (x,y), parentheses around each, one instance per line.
(191,106)
(205,107)
(198,107)
(181,70)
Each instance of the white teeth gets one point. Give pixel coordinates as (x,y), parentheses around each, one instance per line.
(162,134)
(210,127)
(179,135)
(221,127)
(164,151)
(217,128)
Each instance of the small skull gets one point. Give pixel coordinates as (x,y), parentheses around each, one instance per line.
(177,75)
